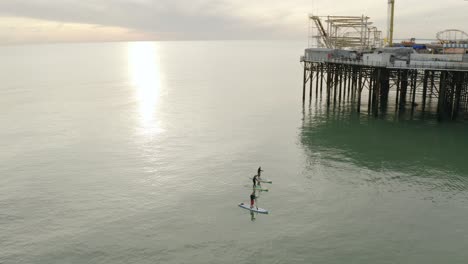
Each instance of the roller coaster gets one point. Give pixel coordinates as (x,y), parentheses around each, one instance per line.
(452,36)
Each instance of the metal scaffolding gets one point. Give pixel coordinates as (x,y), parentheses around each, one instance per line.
(338,32)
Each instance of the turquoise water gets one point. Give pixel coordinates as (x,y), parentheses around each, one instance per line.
(140,153)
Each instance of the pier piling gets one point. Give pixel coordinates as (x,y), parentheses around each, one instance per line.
(346,82)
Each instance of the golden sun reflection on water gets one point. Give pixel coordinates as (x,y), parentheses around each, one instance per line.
(145,77)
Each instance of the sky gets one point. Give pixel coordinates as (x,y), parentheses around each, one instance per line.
(43,21)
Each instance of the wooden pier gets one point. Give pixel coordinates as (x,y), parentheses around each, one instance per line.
(343,81)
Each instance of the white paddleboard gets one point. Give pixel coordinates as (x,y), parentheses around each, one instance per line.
(254,209)
(262,180)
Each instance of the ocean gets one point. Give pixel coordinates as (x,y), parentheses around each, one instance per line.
(140,152)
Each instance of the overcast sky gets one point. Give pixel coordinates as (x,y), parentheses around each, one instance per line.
(26,21)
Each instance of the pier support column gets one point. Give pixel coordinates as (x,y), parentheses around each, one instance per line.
(321,79)
(311,78)
(345,77)
(403,89)
(397,93)
(359,88)
(384,89)
(371,91)
(317,76)
(329,77)
(335,84)
(350,72)
(341,85)
(354,85)
(304,82)
(441,104)
(458,91)
(414,82)
(376,94)
(425,79)
(432,85)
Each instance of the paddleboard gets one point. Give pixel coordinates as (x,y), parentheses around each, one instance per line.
(254,209)
(262,180)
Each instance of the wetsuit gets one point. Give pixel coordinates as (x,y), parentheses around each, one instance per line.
(254,179)
(259,171)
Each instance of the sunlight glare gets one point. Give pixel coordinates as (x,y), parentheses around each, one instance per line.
(145,77)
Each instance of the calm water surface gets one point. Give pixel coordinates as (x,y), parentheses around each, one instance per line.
(140,153)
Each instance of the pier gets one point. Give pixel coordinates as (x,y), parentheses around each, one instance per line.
(343,80)
(351,64)
(412,83)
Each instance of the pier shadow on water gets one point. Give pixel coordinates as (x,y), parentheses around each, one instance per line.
(391,146)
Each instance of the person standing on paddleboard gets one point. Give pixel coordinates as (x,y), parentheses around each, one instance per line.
(255,181)
(252,199)
(259,171)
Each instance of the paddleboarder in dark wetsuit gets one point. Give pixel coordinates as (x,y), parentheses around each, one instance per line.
(255,181)
(259,171)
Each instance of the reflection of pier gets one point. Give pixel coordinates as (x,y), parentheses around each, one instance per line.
(419,147)
(341,76)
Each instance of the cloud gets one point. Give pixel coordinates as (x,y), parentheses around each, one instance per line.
(231,19)
(195,19)
(27,30)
